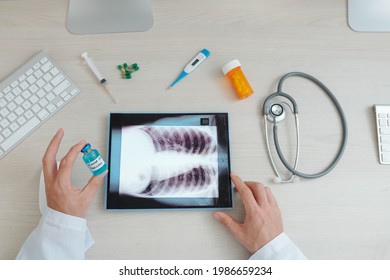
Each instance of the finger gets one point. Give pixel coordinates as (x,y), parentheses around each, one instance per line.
(66,164)
(271,198)
(49,161)
(92,186)
(229,223)
(245,192)
(258,191)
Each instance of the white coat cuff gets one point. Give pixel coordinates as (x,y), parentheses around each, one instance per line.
(71,222)
(279,248)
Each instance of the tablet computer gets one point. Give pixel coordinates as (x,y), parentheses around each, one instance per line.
(168,161)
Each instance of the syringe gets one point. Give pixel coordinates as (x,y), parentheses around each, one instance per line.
(98,75)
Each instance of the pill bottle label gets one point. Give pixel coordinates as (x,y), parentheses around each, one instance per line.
(236,76)
(96,164)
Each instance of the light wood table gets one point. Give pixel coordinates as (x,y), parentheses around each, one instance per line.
(344,215)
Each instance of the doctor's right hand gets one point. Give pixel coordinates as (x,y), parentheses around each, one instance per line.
(263,219)
(61,195)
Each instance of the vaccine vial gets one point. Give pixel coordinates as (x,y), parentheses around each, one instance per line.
(93,160)
(234,73)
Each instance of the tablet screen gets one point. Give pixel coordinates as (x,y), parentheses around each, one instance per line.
(168,161)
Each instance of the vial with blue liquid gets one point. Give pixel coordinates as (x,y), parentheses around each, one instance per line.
(93,160)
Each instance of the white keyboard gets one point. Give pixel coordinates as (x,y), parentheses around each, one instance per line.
(29,97)
(382,113)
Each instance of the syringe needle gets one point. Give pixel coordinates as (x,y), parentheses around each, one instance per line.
(107,89)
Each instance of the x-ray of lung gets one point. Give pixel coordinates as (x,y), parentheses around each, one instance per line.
(168,161)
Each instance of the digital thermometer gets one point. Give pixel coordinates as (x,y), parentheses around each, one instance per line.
(192,65)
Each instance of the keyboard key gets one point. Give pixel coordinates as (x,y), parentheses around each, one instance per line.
(384,130)
(31,80)
(33,88)
(19,111)
(386,157)
(4,123)
(51,107)
(54,71)
(14,84)
(43,114)
(19,100)
(38,74)
(385,139)
(34,99)
(12,116)
(22,78)
(47,66)
(48,87)
(26,105)
(36,66)
(64,85)
(29,72)
(11,106)
(43,102)
(58,79)
(41,83)
(23,85)
(7,90)
(44,60)
(14,126)
(9,97)
(29,114)
(7,133)
(3,103)
(19,134)
(4,112)
(22,120)
(36,108)
(50,96)
(17,91)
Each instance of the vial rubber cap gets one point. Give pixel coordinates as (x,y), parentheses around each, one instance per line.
(86,148)
(230,65)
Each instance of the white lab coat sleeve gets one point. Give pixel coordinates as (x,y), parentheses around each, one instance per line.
(57,236)
(279,248)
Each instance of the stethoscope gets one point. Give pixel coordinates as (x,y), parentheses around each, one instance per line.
(274,111)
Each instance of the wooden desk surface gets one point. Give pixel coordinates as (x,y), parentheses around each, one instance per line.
(344,215)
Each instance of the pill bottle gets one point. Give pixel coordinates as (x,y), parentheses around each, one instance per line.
(234,73)
(93,160)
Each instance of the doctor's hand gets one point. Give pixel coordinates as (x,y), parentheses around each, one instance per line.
(61,195)
(262,222)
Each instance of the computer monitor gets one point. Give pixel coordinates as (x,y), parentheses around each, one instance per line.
(369,15)
(109,16)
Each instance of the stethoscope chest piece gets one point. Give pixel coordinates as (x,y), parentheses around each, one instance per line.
(276,113)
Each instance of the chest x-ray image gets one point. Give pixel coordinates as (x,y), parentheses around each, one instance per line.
(172,161)
(169,161)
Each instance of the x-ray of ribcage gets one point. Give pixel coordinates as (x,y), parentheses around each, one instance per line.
(169,161)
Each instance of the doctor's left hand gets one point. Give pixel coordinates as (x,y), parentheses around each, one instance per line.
(61,195)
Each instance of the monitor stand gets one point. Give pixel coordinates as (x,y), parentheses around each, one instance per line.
(109,16)
(369,15)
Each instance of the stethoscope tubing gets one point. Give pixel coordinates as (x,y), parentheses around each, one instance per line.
(292,176)
(343,120)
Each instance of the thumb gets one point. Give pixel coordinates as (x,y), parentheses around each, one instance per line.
(93,184)
(228,222)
